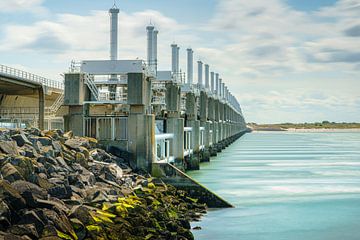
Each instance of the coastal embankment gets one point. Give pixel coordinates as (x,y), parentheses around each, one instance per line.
(58,186)
(324,126)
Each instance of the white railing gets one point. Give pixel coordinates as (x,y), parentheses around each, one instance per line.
(162,149)
(210,137)
(55,106)
(106,128)
(187,141)
(19,113)
(110,96)
(202,138)
(12,72)
(158,86)
(158,100)
(89,81)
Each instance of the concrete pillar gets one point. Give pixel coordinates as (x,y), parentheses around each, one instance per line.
(75,94)
(193,162)
(191,108)
(176,126)
(141,142)
(205,154)
(141,127)
(41,107)
(172,99)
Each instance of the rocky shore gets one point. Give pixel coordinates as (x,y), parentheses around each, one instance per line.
(54,185)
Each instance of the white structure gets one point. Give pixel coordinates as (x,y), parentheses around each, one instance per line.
(212,74)
(200,73)
(190,66)
(207,86)
(114,12)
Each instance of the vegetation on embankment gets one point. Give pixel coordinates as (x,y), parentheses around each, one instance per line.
(57,186)
(317,125)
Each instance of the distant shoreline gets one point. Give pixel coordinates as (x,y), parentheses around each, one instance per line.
(308,130)
(324,126)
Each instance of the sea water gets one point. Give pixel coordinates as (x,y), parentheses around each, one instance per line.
(285,186)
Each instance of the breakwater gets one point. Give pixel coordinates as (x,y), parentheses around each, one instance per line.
(54,185)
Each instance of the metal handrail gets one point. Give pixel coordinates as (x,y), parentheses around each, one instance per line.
(29,76)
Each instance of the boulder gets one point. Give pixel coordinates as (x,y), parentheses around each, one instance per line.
(30,192)
(5,216)
(20,139)
(25,229)
(24,165)
(60,191)
(11,196)
(45,141)
(30,217)
(79,228)
(81,159)
(47,151)
(82,213)
(29,151)
(76,143)
(68,134)
(10,173)
(53,204)
(9,147)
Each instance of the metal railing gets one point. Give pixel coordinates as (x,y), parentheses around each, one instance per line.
(187,141)
(55,106)
(89,81)
(158,100)
(106,128)
(9,71)
(162,149)
(109,96)
(202,138)
(19,113)
(158,86)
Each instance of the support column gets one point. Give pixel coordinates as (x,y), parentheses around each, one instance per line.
(193,161)
(41,107)
(211,117)
(205,153)
(175,124)
(140,125)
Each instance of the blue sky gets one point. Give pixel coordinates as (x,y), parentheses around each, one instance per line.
(285,60)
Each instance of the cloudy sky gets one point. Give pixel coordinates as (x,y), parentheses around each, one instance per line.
(285,60)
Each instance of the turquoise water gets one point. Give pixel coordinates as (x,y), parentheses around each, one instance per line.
(285,186)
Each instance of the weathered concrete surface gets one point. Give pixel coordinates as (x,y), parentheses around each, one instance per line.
(169,174)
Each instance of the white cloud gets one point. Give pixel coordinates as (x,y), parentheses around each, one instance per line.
(34,6)
(71,36)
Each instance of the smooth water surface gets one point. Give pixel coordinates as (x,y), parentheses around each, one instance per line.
(285,186)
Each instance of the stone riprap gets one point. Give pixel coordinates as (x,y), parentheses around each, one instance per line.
(54,185)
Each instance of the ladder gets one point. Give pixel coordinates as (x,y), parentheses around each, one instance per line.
(89,81)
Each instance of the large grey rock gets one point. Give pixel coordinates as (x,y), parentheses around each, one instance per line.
(29,151)
(11,196)
(5,216)
(10,173)
(25,229)
(20,139)
(76,143)
(24,165)
(60,191)
(9,147)
(45,141)
(31,217)
(30,192)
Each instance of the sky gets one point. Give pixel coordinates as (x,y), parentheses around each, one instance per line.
(284,60)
